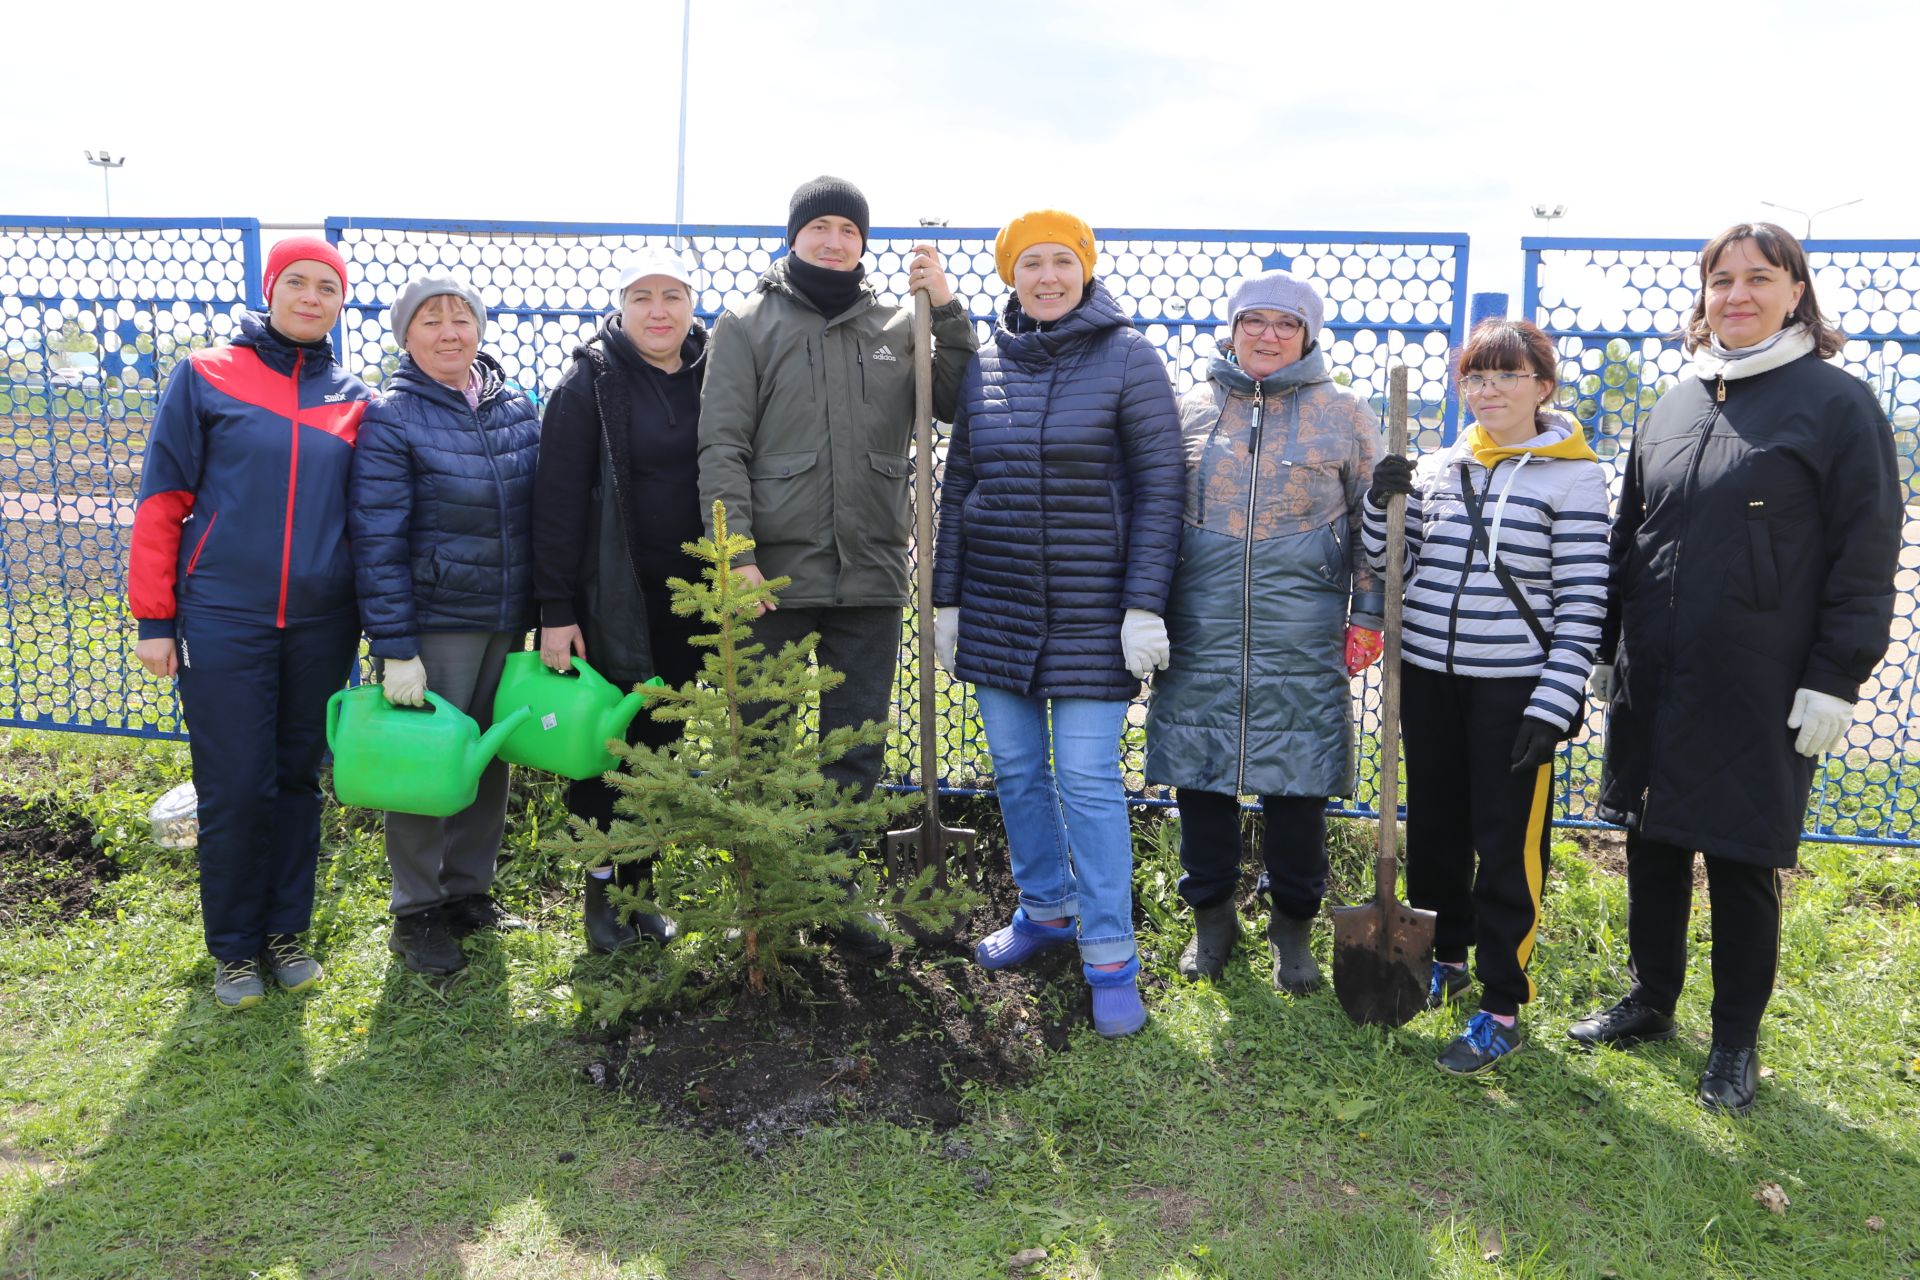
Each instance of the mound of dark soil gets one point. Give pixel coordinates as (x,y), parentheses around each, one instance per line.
(49,868)
(899,1041)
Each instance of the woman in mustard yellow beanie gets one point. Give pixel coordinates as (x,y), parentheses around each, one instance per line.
(1059,528)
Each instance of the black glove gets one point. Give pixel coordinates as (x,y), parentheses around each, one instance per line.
(1535,746)
(1392,475)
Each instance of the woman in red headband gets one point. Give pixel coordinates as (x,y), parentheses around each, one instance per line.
(241,582)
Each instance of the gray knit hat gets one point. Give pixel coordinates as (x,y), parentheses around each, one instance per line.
(1278,290)
(432,285)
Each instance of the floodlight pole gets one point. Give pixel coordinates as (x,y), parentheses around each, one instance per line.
(1787,208)
(680,165)
(106,164)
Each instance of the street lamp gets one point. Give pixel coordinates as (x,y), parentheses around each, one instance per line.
(1787,208)
(1548,212)
(106,163)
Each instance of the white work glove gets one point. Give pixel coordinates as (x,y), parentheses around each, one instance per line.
(405,682)
(1600,683)
(1143,643)
(946,636)
(1821,718)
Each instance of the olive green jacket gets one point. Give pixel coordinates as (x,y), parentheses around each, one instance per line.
(806,427)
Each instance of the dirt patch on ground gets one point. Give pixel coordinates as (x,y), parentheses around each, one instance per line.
(1173,1209)
(50,870)
(900,1041)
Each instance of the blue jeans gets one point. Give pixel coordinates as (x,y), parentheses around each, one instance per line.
(1066,812)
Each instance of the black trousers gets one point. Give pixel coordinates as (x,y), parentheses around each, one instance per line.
(1294,848)
(1463,800)
(676,661)
(862,644)
(1746,934)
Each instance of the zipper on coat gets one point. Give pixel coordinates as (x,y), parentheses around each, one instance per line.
(293,487)
(1246,585)
(506,536)
(861,360)
(193,560)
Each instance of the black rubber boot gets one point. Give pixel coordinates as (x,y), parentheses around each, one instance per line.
(605,931)
(1216,929)
(646,924)
(1295,971)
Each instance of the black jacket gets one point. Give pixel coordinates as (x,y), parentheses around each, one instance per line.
(1753,555)
(616,493)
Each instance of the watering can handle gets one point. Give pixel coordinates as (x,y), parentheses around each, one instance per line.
(333,718)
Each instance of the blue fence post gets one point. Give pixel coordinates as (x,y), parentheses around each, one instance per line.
(1487,306)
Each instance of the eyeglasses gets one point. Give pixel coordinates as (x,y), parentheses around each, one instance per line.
(1474,383)
(1255,327)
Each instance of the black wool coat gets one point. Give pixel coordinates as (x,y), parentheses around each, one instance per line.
(1753,556)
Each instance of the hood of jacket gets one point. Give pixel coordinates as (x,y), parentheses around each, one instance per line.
(1304,372)
(1560,437)
(1026,342)
(777,279)
(615,346)
(411,377)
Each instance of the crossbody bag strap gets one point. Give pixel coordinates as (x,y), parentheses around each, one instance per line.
(1500,571)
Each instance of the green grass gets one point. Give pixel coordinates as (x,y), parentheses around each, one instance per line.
(383,1128)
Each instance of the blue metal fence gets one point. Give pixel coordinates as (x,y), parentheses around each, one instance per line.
(1613,307)
(94,312)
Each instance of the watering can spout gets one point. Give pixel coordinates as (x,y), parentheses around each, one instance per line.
(621,714)
(483,751)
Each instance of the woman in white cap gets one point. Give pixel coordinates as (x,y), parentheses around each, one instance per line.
(616,497)
(441,521)
(1274,611)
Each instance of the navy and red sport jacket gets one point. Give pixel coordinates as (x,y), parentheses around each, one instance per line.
(243,500)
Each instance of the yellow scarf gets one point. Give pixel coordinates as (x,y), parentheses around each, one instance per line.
(1486,452)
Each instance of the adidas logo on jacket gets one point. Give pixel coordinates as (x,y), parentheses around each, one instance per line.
(1544,503)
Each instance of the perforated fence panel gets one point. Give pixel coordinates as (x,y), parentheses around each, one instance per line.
(1612,307)
(548,286)
(93,315)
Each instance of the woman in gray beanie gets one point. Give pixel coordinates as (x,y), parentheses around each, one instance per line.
(1274,611)
(441,519)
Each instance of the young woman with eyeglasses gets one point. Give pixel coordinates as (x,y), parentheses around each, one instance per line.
(1506,572)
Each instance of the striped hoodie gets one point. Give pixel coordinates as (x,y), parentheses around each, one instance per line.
(1544,503)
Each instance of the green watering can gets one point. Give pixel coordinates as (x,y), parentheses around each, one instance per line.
(424,760)
(573,716)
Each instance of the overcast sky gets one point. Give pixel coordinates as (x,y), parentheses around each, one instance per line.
(1669,118)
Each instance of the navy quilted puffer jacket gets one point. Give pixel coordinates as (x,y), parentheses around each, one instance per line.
(441,509)
(1061,504)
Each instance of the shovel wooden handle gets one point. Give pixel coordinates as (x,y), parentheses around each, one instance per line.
(1386,868)
(923,547)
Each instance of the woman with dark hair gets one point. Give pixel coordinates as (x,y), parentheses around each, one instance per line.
(1274,611)
(615,500)
(242,583)
(1506,586)
(1059,527)
(1752,595)
(442,508)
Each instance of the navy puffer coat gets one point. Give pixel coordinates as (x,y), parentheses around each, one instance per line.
(441,509)
(1061,504)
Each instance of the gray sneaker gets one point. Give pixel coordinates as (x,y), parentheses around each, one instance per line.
(237,984)
(292,967)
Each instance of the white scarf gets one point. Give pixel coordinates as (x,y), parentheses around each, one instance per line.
(1784,347)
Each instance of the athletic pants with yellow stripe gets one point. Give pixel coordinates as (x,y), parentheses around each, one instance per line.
(1463,800)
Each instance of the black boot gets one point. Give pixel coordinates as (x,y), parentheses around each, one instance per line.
(646,924)
(1731,1077)
(1294,969)
(1216,929)
(605,931)
(425,944)
(1623,1024)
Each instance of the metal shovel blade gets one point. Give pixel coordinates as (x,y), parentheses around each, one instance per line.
(912,850)
(1382,953)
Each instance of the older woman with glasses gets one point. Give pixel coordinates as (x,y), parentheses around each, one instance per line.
(1274,611)
(1506,574)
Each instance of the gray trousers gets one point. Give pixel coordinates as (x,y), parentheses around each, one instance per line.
(435,860)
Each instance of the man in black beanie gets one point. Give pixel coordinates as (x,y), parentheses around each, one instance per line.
(806,423)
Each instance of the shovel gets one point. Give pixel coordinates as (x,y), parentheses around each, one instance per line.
(915,849)
(1383,949)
